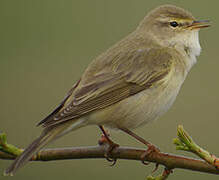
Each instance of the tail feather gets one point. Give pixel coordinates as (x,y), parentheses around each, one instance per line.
(33,148)
(49,134)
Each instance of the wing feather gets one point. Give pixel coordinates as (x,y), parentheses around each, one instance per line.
(123,75)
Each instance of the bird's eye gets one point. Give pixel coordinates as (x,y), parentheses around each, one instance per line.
(174,24)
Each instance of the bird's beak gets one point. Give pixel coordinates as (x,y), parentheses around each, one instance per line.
(199,24)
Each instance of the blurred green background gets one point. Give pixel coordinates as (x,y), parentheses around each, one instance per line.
(45,45)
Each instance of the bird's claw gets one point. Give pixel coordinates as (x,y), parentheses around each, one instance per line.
(151,149)
(109,150)
(113,161)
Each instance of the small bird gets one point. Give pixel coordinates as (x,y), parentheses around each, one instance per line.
(130,84)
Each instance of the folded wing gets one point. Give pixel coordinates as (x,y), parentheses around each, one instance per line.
(112,78)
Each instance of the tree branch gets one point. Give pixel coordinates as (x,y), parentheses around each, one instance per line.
(170,161)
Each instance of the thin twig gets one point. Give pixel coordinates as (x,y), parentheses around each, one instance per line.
(185,142)
(165,174)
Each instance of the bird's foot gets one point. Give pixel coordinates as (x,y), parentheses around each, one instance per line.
(151,150)
(111,146)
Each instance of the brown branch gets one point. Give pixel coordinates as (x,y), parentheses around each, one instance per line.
(168,160)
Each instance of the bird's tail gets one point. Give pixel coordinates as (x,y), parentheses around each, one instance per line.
(49,134)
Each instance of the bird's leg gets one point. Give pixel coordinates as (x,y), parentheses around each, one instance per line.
(151,148)
(112,145)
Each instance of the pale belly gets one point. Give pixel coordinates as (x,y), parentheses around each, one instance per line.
(138,109)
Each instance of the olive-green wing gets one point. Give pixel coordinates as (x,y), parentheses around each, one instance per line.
(110,79)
